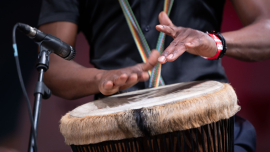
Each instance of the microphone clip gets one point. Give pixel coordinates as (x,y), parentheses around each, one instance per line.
(43,65)
(43,59)
(43,89)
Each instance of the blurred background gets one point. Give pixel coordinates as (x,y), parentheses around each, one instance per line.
(250,81)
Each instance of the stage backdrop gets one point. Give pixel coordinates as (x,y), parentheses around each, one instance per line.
(250,80)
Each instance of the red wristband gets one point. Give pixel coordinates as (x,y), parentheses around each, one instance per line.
(219,46)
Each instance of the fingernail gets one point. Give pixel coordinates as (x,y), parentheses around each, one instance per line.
(161,59)
(188,44)
(160,26)
(170,56)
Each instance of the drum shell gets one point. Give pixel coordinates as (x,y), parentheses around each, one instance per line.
(217,136)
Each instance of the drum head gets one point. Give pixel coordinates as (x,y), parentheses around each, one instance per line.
(147,98)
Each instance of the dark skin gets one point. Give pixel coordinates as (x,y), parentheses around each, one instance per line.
(250,43)
(70,80)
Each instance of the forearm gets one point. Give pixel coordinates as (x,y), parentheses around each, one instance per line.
(69,80)
(251,43)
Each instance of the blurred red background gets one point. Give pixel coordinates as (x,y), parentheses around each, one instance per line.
(250,80)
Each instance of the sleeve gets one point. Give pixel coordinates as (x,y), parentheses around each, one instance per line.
(59,10)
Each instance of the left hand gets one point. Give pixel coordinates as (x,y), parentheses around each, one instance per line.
(185,39)
(112,81)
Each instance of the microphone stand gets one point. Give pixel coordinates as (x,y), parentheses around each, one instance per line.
(41,90)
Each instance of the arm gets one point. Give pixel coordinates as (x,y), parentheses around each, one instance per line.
(251,43)
(70,80)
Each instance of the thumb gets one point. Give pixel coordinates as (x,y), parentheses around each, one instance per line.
(164,19)
(151,62)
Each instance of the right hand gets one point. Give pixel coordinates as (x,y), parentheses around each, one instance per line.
(112,81)
(185,39)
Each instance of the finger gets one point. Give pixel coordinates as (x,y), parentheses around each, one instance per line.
(169,30)
(164,19)
(121,80)
(108,88)
(168,51)
(144,76)
(151,62)
(132,80)
(108,85)
(178,50)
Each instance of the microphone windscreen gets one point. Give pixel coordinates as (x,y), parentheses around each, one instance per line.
(24,28)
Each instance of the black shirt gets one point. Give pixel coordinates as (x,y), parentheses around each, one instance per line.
(112,45)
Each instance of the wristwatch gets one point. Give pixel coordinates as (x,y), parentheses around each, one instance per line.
(221,44)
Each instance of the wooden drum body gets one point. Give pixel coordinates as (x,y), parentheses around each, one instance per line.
(191,116)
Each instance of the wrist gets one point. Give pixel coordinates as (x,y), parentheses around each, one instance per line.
(90,78)
(220,43)
(98,77)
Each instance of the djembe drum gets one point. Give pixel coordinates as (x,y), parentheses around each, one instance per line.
(192,116)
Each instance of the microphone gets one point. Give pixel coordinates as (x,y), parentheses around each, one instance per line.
(48,41)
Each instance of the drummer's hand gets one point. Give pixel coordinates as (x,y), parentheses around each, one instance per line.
(185,39)
(111,81)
